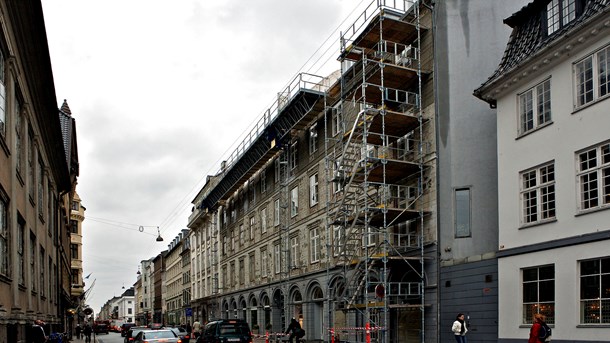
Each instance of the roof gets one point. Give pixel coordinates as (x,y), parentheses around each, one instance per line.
(529,35)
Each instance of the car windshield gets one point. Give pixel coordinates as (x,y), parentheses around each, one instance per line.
(159,334)
(239,329)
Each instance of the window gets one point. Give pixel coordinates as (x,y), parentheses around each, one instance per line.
(314,251)
(129,311)
(338,176)
(313,190)
(313,139)
(75,206)
(535,107)
(31,153)
(294,251)
(21,250)
(39,179)
(294,155)
(33,262)
(2,95)
(462,212)
(276,214)
(4,238)
(559,13)
(278,170)
(595,291)
(336,121)
(264,220)
(264,262)
(594,177)
(241,270)
(252,262)
(18,131)
(294,202)
(276,258)
(338,237)
(263,181)
(592,76)
(539,293)
(74,275)
(538,194)
(73,226)
(42,278)
(74,251)
(252,228)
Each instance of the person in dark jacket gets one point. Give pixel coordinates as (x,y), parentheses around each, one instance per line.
(78,330)
(37,334)
(297,332)
(87,332)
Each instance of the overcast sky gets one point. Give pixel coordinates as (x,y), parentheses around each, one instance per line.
(161,92)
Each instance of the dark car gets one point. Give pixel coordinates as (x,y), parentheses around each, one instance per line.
(100,328)
(226,330)
(181,332)
(125,327)
(132,332)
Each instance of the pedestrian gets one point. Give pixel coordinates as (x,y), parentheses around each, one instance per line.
(296,329)
(196,329)
(459,328)
(37,334)
(87,332)
(78,330)
(189,329)
(539,321)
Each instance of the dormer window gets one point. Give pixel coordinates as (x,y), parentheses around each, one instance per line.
(559,13)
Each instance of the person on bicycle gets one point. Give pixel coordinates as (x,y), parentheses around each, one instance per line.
(296,329)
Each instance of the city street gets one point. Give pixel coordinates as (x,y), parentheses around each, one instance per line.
(112,337)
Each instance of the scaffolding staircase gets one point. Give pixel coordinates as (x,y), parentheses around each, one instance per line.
(379,173)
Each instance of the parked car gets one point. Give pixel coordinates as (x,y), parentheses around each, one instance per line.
(153,336)
(125,327)
(181,332)
(100,328)
(132,332)
(226,330)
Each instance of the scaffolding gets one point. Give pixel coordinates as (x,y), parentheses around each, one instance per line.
(378,175)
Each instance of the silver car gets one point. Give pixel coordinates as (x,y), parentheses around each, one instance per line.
(157,336)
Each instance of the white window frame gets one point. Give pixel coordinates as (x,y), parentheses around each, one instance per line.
(539,304)
(591,306)
(252,226)
(314,248)
(535,107)
(337,121)
(588,74)
(277,257)
(294,155)
(264,262)
(313,139)
(538,199)
(294,251)
(591,164)
(559,13)
(264,220)
(294,202)
(276,212)
(313,190)
(337,237)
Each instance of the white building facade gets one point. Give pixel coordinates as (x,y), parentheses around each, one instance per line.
(551,91)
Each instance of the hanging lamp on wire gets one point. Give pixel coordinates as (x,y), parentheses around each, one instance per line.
(159,238)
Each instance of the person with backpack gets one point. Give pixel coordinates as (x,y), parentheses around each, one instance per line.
(459,328)
(540,332)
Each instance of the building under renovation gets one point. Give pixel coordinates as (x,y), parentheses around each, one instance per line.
(364,203)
